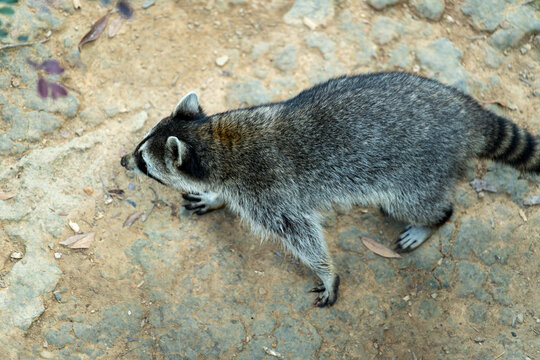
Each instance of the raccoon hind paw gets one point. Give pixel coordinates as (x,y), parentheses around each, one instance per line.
(412,237)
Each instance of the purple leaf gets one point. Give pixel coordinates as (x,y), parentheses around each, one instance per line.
(43,87)
(124,9)
(57,90)
(52,67)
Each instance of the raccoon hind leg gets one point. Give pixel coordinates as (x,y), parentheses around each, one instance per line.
(204,202)
(414,235)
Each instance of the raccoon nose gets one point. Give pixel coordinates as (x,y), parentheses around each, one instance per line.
(123,161)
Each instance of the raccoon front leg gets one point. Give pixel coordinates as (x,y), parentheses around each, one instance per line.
(303,237)
(204,202)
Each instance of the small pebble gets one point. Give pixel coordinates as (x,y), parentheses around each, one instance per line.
(131,186)
(146,4)
(523,50)
(57,296)
(514,334)
(51,246)
(222,60)
(519,318)
(57,255)
(479,340)
(434,295)
(16,255)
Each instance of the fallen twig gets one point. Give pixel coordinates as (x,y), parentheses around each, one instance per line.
(154,202)
(29,43)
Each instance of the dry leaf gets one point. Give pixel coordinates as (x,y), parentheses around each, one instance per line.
(480,185)
(76,4)
(132,218)
(6,195)
(535,200)
(70,240)
(115,26)
(379,249)
(117,193)
(84,242)
(96,31)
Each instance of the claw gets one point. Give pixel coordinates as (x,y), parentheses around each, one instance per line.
(191,197)
(319,288)
(193,206)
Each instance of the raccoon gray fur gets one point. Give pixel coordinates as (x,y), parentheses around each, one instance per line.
(393,140)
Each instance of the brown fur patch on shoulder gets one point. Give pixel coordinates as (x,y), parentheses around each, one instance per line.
(226,133)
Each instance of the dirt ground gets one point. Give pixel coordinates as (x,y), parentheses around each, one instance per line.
(171,48)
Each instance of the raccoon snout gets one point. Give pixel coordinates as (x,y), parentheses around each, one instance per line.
(123,161)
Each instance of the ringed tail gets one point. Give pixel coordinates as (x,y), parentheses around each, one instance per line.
(510,144)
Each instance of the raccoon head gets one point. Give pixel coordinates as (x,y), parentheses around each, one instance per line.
(165,153)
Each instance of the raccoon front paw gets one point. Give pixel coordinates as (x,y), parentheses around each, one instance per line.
(203,203)
(412,237)
(326,297)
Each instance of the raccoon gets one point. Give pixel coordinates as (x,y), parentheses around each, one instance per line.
(393,140)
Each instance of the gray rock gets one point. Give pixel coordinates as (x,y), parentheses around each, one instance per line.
(263,324)
(444,273)
(324,71)
(485,14)
(61,336)
(430,9)
(385,29)
(297,339)
(430,310)
(68,42)
(5,80)
(506,316)
(478,237)
(493,58)
(507,179)
(350,240)
(248,92)
(400,57)
(501,295)
(66,106)
(381,4)
(477,312)
(356,33)
(74,59)
(259,49)
(350,265)
(498,275)
(285,59)
(321,42)
(445,235)
(463,199)
(318,11)
(471,281)
(255,348)
(425,257)
(442,60)
(382,270)
(147,3)
(92,116)
(522,22)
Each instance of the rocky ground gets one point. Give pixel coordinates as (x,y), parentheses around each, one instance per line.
(177,286)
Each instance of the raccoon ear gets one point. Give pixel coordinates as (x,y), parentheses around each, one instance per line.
(189,105)
(175,150)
